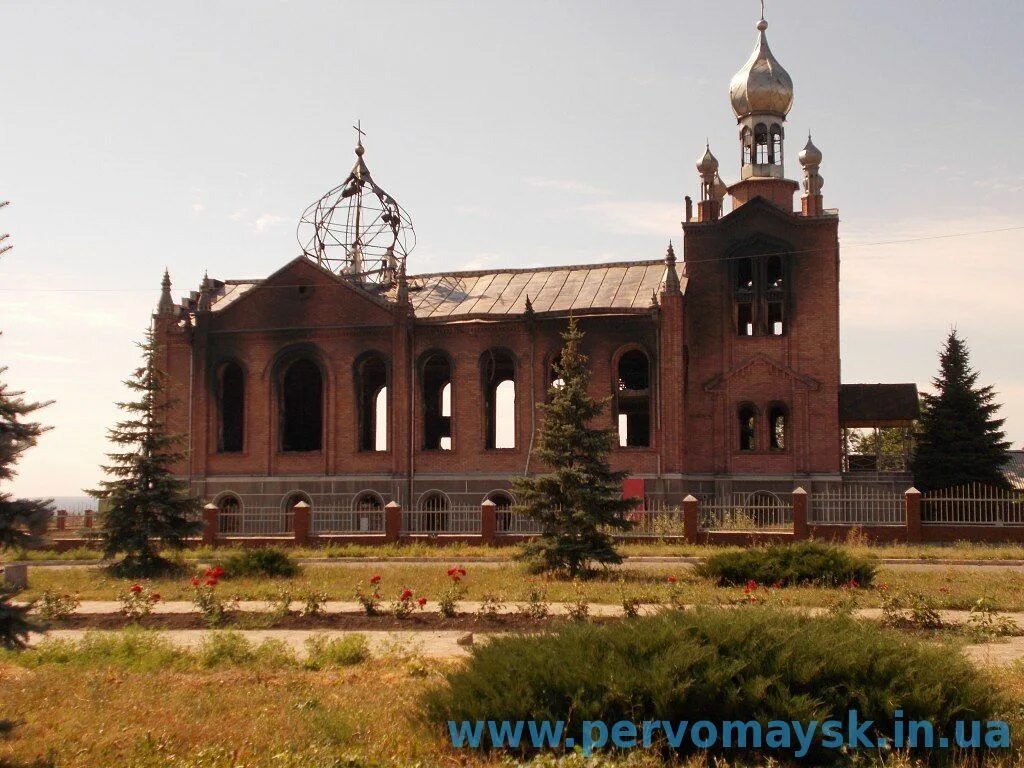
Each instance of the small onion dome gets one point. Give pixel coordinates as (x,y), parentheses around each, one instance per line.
(810,154)
(762,85)
(718,188)
(708,163)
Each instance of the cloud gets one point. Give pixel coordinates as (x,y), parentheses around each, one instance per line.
(565,185)
(267,220)
(636,217)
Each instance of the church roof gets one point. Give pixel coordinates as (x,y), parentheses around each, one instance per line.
(621,287)
(877,405)
(611,288)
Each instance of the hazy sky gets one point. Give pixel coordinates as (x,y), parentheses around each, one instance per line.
(192,134)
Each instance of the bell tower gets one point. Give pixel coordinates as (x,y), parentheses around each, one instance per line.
(761,94)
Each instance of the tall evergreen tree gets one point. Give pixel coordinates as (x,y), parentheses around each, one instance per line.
(147,507)
(21,520)
(959,440)
(580,498)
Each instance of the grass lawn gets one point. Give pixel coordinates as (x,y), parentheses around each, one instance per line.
(952,588)
(961,550)
(105,711)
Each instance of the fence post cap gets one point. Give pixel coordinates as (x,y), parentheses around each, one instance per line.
(300,505)
(799,492)
(392,505)
(912,492)
(487,503)
(690,498)
(211,505)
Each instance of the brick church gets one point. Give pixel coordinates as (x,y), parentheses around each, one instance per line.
(344,380)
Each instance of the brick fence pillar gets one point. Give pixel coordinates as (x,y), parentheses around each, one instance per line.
(691,519)
(300,523)
(88,518)
(62,519)
(211,524)
(488,521)
(392,521)
(800,527)
(913,502)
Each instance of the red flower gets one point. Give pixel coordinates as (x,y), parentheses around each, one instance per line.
(406,594)
(375,579)
(672,579)
(751,587)
(211,582)
(777,585)
(195,581)
(456,578)
(462,571)
(135,589)
(215,573)
(452,571)
(852,584)
(421,602)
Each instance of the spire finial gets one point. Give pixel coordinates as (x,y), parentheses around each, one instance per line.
(166,305)
(670,256)
(529,305)
(359,137)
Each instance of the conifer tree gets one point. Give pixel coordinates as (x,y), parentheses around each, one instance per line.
(580,498)
(21,520)
(147,508)
(959,440)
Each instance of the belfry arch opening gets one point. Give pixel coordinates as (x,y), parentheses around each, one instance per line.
(633,399)
(231,408)
(498,374)
(302,407)
(437,402)
(372,402)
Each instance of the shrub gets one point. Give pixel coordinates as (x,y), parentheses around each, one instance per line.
(336,652)
(403,607)
(718,665)
(135,649)
(15,625)
(269,562)
(54,606)
(314,604)
(448,601)
(986,623)
(206,599)
(137,602)
(909,610)
(537,606)
(787,565)
(369,595)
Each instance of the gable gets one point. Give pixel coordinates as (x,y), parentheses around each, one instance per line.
(760,366)
(299,295)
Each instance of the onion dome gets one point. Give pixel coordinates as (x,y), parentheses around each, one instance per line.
(810,154)
(719,188)
(762,85)
(708,163)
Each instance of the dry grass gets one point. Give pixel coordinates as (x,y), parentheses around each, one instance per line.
(949,588)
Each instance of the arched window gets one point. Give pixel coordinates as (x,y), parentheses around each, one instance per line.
(744,293)
(368,501)
(778,426)
(748,427)
(775,152)
(633,399)
(745,143)
(433,513)
(229,514)
(437,402)
(761,155)
(368,507)
(302,407)
(288,509)
(775,295)
(503,503)
(498,374)
(555,380)
(372,402)
(231,408)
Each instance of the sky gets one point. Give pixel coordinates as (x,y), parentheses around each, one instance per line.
(191,135)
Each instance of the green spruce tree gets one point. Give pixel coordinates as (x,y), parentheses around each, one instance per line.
(21,520)
(959,440)
(580,498)
(146,507)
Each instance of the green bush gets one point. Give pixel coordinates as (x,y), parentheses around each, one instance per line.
(807,562)
(271,562)
(717,665)
(231,649)
(342,651)
(135,649)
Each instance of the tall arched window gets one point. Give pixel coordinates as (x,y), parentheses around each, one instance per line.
(775,296)
(437,402)
(775,152)
(498,375)
(744,295)
(747,427)
(761,153)
(745,143)
(633,399)
(372,402)
(302,407)
(778,426)
(760,290)
(231,408)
